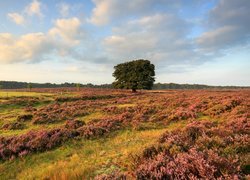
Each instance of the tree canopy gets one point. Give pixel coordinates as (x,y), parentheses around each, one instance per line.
(136,74)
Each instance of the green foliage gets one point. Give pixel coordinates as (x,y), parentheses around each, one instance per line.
(78,85)
(29,86)
(137,74)
(22,85)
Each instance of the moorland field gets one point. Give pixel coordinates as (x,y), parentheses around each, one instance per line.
(108,134)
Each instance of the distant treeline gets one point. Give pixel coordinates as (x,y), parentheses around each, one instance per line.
(22,85)
(157,86)
(193,86)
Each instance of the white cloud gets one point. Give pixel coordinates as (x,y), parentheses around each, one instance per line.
(107,10)
(16,18)
(158,30)
(220,37)
(23,48)
(228,26)
(34,47)
(131,43)
(34,8)
(160,38)
(100,12)
(68,30)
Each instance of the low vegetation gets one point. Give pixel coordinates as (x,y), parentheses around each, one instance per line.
(114,134)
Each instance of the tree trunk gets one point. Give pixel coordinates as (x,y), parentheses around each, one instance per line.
(134,90)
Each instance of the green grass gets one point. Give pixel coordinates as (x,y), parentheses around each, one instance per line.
(9,114)
(9,108)
(82,158)
(79,158)
(92,116)
(6,94)
(125,105)
(10,111)
(28,127)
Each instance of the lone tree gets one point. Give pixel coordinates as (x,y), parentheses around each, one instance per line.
(29,86)
(136,74)
(78,85)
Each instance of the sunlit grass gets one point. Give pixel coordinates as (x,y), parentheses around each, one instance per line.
(125,105)
(6,94)
(83,158)
(79,159)
(28,127)
(92,116)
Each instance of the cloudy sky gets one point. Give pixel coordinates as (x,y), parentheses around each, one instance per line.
(194,41)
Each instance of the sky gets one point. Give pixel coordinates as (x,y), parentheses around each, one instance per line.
(57,41)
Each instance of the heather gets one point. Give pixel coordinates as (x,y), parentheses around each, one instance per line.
(116,134)
(201,150)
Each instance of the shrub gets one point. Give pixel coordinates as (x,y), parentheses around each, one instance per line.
(182,114)
(73,124)
(24,117)
(96,97)
(40,141)
(116,175)
(59,112)
(188,165)
(202,150)
(13,126)
(33,141)
(99,128)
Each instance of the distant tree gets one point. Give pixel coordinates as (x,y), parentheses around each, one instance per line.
(136,74)
(89,85)
(1,86)
(78,85)
(29,86)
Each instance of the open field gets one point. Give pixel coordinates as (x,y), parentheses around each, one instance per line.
(94,133)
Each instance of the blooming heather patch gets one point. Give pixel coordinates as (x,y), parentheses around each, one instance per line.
(114,176)
(13,126)
(43,140)
(33,141)
(208,135)
(59,112)
(99,128)
(203,150)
